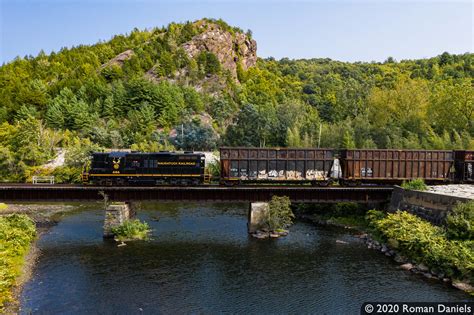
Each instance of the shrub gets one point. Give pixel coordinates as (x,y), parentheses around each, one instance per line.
(422,242)
(415,184)
(214,168)
(67,174)
(374,216)
(460,222)
(279,213)
(17,231)
(132,230)
(347,209)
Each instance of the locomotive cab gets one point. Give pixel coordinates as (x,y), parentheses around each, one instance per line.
(142,168)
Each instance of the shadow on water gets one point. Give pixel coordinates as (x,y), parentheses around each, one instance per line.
(201,260)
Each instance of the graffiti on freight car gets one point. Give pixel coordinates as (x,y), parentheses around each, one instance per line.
(311,174)
(294,175)
(273,173)
(315,174)
(366,172)
(262,174)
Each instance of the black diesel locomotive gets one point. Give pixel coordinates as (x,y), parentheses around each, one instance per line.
(282,165)
(138,168)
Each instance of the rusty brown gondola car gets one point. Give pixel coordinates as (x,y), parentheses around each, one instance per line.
(464,166)
(394,166)
(282,165)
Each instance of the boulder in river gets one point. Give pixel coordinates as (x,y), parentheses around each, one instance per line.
(428,275)
(406,266)
(399,259)
(463,286)
(422,267)
(260,234)
(281,232)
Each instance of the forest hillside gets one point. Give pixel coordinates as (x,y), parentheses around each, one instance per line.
(198,85)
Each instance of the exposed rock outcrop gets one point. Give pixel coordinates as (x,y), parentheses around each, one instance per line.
(230,48)
(119,59)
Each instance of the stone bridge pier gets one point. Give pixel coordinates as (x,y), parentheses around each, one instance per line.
(116,214)
(258,211)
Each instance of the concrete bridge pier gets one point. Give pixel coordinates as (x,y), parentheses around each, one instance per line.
(116,214)
(258,211)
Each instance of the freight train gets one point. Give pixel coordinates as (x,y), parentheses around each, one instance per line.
(315,166)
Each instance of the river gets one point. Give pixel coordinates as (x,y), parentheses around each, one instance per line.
(201,260)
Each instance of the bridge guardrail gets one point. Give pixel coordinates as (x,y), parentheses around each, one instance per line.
(43,180)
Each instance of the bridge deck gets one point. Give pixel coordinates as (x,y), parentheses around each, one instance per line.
(64,193)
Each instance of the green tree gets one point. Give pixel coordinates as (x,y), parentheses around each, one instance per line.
(348,140)
(293,137)
(208,63)
(452,106)
(78,151)
(253,126)
(280,215)
(195,136)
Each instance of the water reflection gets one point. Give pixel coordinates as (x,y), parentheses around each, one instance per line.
(202,261)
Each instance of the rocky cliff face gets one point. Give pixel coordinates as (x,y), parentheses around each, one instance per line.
(231,48)
(119,59)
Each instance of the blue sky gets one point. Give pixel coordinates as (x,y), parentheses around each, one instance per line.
(338,29)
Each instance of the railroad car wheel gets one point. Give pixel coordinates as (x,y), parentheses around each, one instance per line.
(348,183)
(323,183)
(352,183)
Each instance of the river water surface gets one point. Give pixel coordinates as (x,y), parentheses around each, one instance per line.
(201,260)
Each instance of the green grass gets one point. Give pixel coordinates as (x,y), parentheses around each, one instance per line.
(17,231)
(415,184)
(132,230)
(3,206)
(352,221)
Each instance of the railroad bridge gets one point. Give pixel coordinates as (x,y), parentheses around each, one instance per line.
(208,193)
(257,195)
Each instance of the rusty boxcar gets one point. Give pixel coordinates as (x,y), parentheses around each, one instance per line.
(395,166)
(289,165)
(464,166)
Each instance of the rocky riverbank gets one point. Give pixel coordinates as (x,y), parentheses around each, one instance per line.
(262,234)
(44,215)
(411,266)
(390,249)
